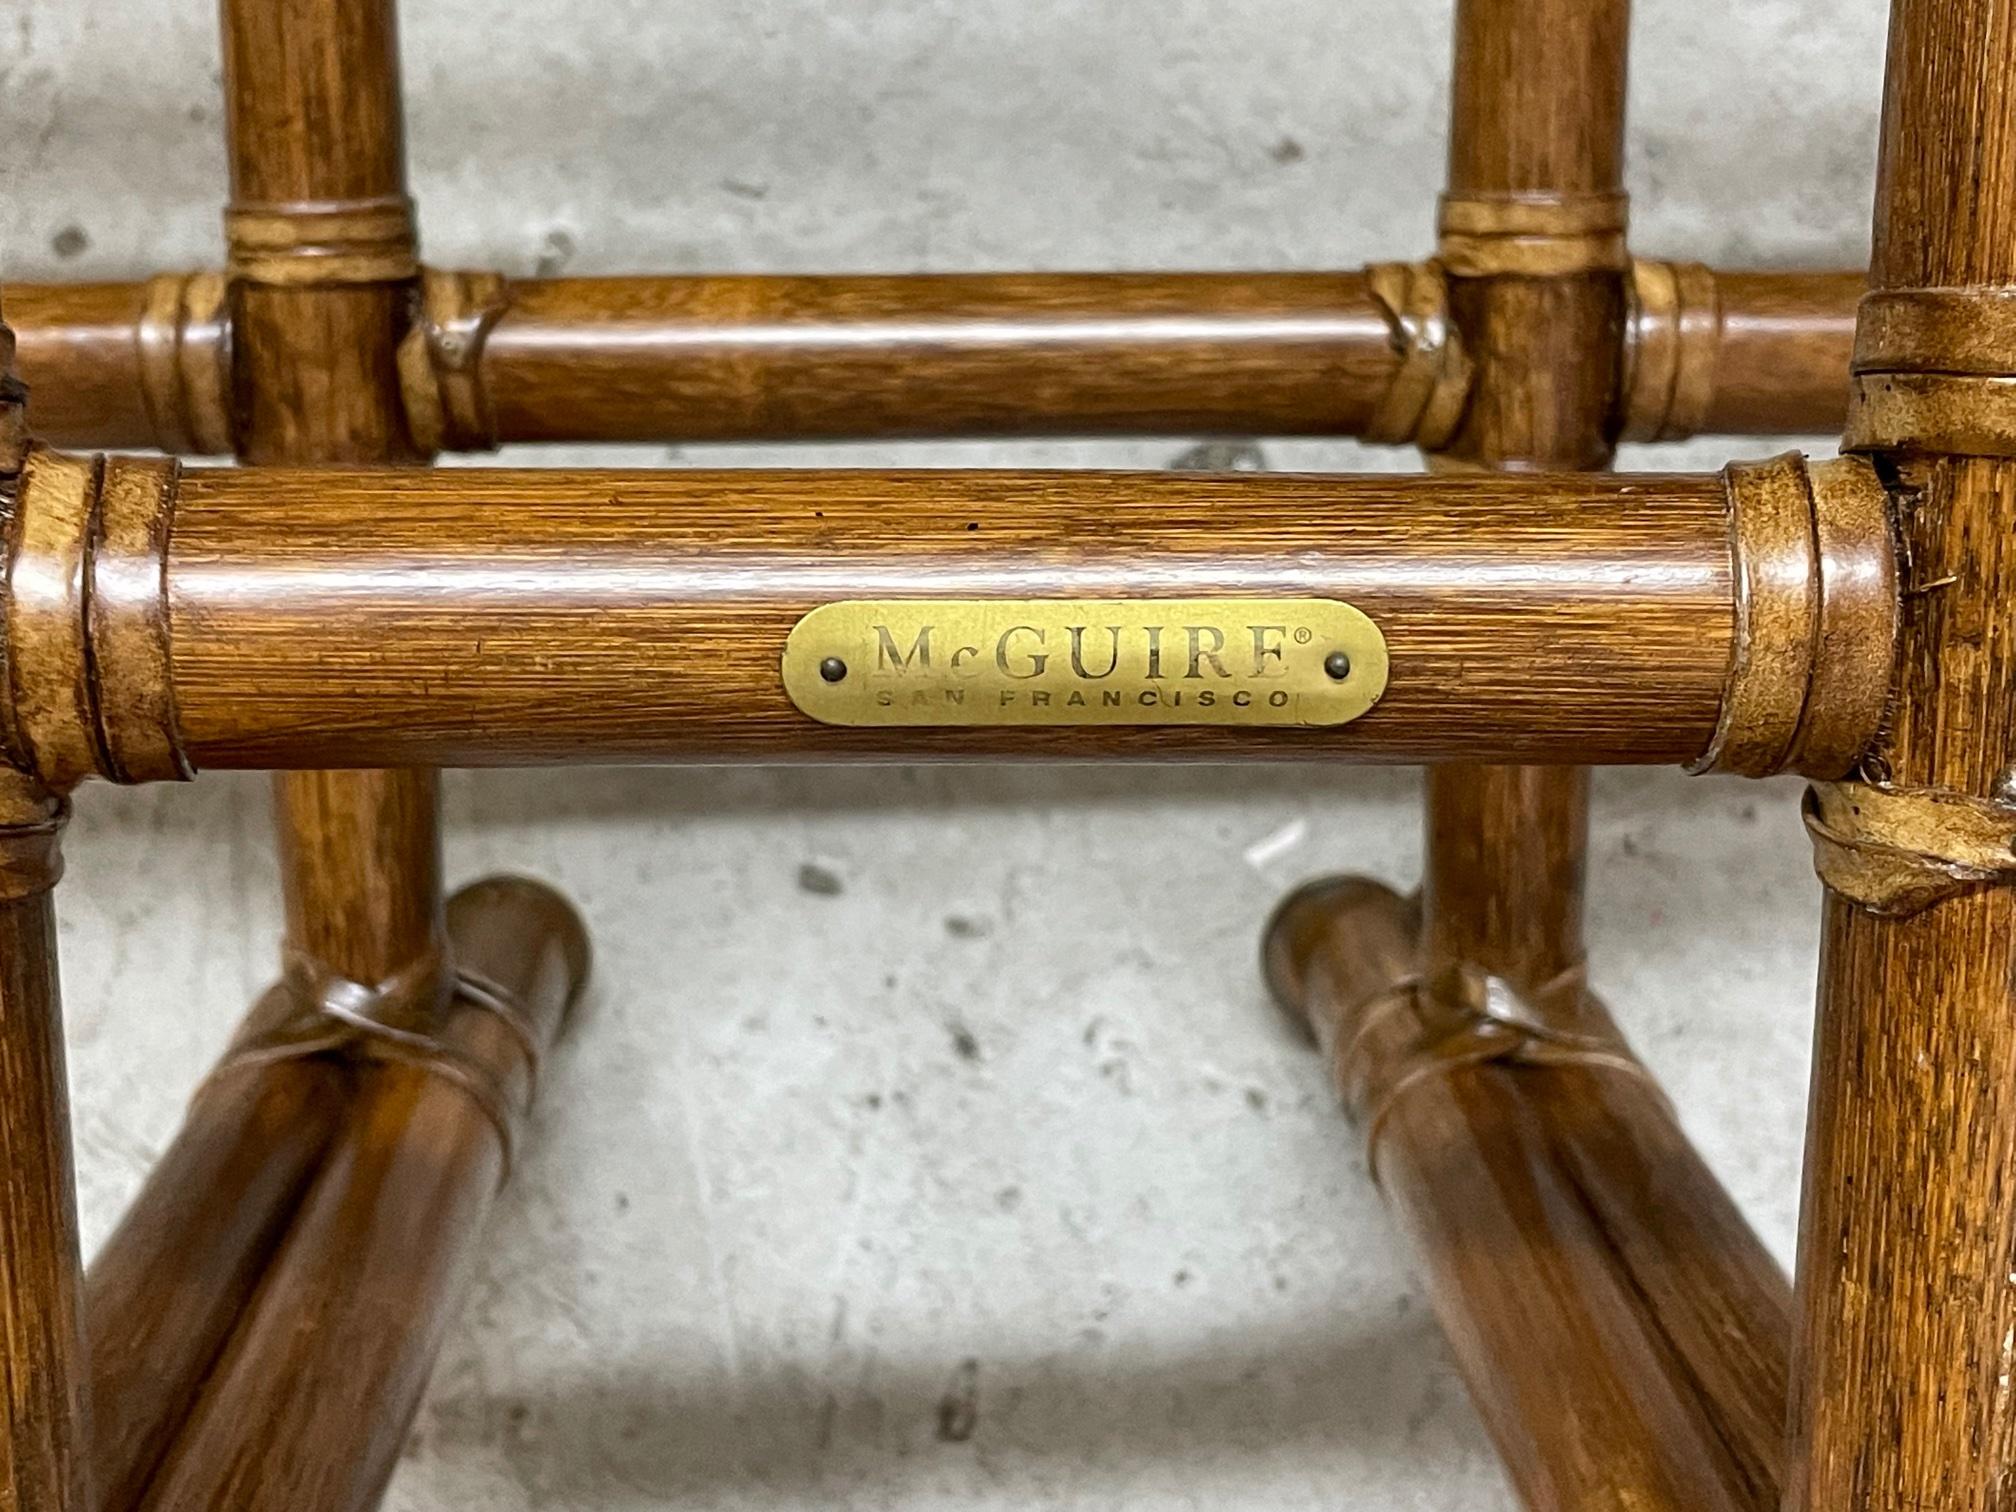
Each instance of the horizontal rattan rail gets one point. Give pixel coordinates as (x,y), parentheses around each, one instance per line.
(1368,354)
(161,620)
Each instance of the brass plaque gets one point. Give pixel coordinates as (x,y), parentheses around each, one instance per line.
(921,662)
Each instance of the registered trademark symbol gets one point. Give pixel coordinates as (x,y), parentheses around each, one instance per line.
(1303,636)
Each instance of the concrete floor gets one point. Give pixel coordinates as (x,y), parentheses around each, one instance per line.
(902,1088)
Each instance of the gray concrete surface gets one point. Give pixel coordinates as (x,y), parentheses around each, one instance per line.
(901,1089)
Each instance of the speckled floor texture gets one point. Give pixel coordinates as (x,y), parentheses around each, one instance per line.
(926,1140)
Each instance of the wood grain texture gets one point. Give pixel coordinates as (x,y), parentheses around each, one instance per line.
(1624,1332)
(676,360)
(1621,1331)
(360,862)
(1538,117)
(311,1402)
(44,1422)
(728,359)
(314,120)
(1907,1315)
(78,349)
(1538,102)
(1710,1289)
(171,1281)
(1506,853)
(13,409)
(313,114)
(472,618)
(1781,362)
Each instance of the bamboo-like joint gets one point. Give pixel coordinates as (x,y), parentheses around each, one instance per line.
(1894,852)
(183,340)
(378,1245)
(313,1012)
(490,361)
(441,380)
(1533,235)
(1463,1018)
(1906,1341)
(13,408)
(1393,1032)
(1424,403)
(32,821)
(1596,1284)
(1817,607)
(159,619)
(322,244)
(1670,348)
(86,621)
(1935,372)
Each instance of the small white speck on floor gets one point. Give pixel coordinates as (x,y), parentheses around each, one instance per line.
(1285,841)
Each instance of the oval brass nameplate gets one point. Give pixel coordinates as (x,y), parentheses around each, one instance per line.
(1220,661)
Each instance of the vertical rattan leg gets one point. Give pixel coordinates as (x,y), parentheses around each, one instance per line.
(43,1440)
(1622,1330)
(323,265)
(1533,238)
(1905,1372)
(42,1449)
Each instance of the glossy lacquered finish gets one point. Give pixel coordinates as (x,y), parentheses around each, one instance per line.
(84,347)
(170,1283)
(754,358)
(44,1421)
(471,618)
(263,1323)
(314,122)
(1538,112)
(1907,1342)
(310,1403)
(1782,353)
(1622,1331)
(741,359)
(373,839)
(290,371)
